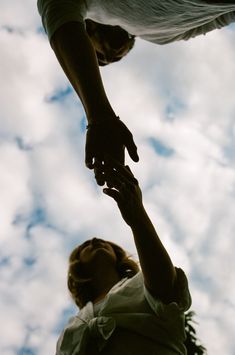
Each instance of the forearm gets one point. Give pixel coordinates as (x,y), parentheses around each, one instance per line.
(77,57)
(158,270)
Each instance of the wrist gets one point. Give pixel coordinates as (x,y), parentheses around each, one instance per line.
(139,219)
(100,113)
(101,122)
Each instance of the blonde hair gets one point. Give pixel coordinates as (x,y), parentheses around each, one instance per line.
(79,284)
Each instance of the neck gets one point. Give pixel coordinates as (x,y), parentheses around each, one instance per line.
(103,282)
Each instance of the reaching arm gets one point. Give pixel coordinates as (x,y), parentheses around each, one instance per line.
(158,270)
(77,57)
(106,133)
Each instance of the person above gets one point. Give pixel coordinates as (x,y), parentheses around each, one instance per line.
(124,310)
(85,33)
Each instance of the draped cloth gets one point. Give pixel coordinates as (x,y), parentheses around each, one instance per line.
(158,21)
(129,306)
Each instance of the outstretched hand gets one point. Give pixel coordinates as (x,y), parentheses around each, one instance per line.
(123,187)
(110,137)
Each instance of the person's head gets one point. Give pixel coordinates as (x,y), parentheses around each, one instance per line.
(86,257)
(111,43)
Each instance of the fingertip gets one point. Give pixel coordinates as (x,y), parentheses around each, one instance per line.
(100,182)
(133,152)
(89,165)
(89,162)
(135,158)
(106,191)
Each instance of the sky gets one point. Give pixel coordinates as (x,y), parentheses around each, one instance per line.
(178,101)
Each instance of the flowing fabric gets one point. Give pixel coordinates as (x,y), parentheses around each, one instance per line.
(158,21)
(130,307)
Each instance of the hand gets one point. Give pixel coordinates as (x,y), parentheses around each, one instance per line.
(124,189)
(109,137)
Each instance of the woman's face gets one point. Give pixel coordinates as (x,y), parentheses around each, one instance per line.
(96,253)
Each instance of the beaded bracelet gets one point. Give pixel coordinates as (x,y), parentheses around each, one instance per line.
(99,123)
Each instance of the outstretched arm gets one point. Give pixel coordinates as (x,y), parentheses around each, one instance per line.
(106,133)
(77,57)
(158,270)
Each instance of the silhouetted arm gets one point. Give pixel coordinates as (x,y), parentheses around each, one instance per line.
(77,57)
(106,133)
(158,270)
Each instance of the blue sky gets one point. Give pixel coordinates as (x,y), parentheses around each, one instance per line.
(178,101)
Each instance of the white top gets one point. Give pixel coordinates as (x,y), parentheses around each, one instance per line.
(130,321)
(158,21)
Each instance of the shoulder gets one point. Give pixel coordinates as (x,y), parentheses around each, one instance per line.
(182,298)
(55,13)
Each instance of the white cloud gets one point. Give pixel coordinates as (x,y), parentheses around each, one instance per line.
(181,94)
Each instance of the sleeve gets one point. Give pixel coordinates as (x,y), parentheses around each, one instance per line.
(55,13)
(182,303)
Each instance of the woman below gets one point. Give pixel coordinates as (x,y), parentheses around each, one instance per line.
(123,310)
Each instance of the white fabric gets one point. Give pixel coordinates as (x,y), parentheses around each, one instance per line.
(158,21)
(130,307)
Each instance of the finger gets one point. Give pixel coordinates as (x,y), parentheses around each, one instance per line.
(112,179)
(120,182)
(112,193)
(129,169)
(99,172)
(132,149)
(124,172)
(89,161)
(89,157)
(100,179)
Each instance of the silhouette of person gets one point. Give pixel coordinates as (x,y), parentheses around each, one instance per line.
(85,33)
(124,310)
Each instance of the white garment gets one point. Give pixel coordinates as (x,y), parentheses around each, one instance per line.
(130,321)
(158,21)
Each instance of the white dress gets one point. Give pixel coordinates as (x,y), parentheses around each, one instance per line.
(130,321)
(158,21)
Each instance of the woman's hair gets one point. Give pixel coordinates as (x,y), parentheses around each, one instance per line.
(115,36)
(80,289)
(192,344)
(79,284)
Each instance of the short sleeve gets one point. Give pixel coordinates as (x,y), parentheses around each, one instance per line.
(182,303)
(55,13)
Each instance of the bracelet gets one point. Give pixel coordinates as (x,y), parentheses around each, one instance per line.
(99,123)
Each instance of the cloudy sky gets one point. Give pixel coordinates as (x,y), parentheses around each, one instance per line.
(178,100)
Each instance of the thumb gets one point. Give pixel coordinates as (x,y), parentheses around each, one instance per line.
(112,193)
(132,149)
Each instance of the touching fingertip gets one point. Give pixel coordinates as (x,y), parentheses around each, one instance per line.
(89,165)
(135,159)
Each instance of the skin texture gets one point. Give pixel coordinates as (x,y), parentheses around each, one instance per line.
(106,133)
